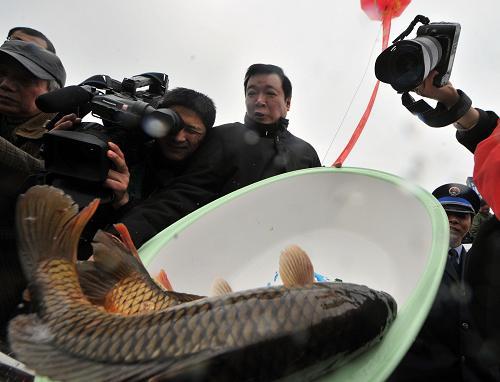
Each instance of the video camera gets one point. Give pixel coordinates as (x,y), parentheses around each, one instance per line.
(407,63)
(76,160)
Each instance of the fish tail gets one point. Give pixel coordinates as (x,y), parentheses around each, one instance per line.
(48,226)
(295,267)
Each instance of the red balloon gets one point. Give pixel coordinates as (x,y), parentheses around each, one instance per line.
(380,9)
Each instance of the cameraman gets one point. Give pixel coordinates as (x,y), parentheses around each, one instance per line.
(468,348)
(164,158)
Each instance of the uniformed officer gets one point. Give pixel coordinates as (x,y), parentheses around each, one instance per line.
(461,203)
(444,349)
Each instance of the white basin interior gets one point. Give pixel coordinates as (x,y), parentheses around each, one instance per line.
(357,228)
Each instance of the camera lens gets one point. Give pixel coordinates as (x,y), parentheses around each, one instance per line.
(159,123)
(407,63)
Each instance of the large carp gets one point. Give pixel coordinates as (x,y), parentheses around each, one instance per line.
(254,335)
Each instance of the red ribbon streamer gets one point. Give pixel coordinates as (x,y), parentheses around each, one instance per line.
(386,25)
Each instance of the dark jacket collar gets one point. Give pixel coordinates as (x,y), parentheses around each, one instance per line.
(30,127)
(265,129)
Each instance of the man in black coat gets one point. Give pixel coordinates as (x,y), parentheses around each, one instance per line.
(233,156)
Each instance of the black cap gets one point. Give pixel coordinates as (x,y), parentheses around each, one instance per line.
(456,197)
(40,62)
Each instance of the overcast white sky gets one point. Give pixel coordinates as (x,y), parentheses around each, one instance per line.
(323,45)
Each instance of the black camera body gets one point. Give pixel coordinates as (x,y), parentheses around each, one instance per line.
(76,160)
(405,64)
(447,35)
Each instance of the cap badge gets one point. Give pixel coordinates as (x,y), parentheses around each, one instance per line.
(454,191)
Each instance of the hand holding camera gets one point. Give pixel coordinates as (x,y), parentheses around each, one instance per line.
(118,176)
(67,122)
(445,94)
(449,97)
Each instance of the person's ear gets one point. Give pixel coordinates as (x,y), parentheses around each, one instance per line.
(287,103)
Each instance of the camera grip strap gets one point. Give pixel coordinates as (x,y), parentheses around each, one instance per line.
(439,116)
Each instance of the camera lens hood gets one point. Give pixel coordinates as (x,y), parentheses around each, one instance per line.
(405,64)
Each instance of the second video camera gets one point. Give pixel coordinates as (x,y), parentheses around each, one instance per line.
(76,160)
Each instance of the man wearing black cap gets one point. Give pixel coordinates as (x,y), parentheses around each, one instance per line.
(461,203)
(26,71)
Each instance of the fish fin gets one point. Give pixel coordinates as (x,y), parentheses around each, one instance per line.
(162,279)
(220,287)
(295,267)
(114,256)
(112,262)
(34,344)
(127,240)
(94,282)
(48,225)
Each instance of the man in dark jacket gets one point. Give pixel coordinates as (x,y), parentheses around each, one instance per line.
(474,353)
(160,161)
(233,156)
(437,353)
(26,71)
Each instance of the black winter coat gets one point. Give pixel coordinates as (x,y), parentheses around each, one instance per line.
(232,156)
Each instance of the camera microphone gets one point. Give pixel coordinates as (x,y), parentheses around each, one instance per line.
(63,100)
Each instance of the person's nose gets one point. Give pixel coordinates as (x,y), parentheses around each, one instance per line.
(260,100)
(181,136)
(452,219)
